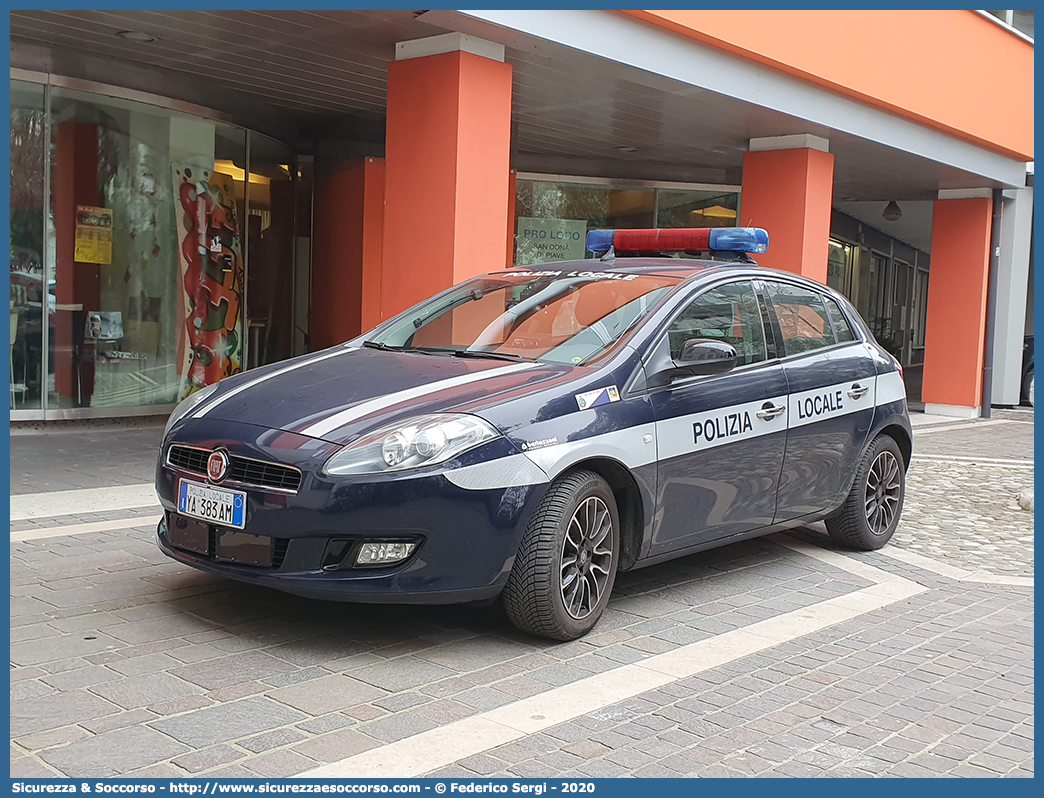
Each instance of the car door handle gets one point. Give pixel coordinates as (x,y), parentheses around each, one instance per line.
(857,391)
(769,412)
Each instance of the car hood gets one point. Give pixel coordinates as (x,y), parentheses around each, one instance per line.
(337,395)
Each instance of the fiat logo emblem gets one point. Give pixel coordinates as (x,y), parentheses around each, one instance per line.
(217,466)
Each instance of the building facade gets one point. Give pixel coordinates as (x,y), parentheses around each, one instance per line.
(198,193)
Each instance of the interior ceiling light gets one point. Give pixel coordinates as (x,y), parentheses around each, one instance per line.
(136,36)
(625,148)
(892,212)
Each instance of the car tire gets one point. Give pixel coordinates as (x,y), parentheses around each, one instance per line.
(566,564)
(870,514)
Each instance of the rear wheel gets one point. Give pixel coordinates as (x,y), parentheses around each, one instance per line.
(870,514)
(566,564)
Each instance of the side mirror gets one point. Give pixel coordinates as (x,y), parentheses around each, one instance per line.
(699,356)
(706,356)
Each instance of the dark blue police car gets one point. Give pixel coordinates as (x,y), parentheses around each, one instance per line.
(532,432)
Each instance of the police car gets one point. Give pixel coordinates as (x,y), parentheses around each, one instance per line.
(533,432)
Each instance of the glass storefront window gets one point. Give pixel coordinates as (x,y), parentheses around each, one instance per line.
(696,208)
(29,296)
(553,217)
(148,253)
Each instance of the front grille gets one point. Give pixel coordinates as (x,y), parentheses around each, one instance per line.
(258,472)
(244,470)
(188,459)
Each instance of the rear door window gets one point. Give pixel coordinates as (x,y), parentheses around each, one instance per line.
(802,317)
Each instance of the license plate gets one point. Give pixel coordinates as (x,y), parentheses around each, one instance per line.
(225,507)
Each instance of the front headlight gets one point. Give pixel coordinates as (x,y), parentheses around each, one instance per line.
(187,404)
(420,441)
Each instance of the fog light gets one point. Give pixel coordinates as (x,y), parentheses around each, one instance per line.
(383,553)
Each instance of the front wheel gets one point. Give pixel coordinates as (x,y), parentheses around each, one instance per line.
(870,514)
(566,563)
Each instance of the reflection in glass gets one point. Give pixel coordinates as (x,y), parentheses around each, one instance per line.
(270,231)
(147,246)
(28,293)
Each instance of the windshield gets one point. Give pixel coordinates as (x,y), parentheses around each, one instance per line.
(551,316)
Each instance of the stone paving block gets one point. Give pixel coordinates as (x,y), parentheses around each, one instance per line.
(28,768)
(208,758)
(113,753)
(232,669)
(279,764)
(481,764)
(273,739)
(326,723)
(327,694)
(237,691)
(49,739)
(145,690)
(474,654)
(445,711)
(403,673)
(397,727)
(398,702)
(118,721)
(335,746)
(150,663)
(36,652)
(225,722)
(53,711)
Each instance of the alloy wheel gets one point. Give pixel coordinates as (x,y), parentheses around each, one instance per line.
(883,492)
(587,556)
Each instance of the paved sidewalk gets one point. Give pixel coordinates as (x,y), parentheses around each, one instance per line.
(778,656)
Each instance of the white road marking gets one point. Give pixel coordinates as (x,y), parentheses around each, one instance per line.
(83,529)
(439,747)
(952,571)
(28,506)
(954,458)
(969,424)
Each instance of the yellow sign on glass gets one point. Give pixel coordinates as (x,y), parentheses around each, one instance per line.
(93,235)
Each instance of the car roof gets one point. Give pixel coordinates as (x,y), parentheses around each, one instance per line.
(681,268)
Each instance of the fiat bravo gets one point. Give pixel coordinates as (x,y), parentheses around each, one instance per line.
(533,432)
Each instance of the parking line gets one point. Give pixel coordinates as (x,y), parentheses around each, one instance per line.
(952,571)
(430,750)
(83,529)
(28,506)
(955,458)
(969,424)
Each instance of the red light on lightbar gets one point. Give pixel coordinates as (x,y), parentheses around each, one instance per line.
(697,239)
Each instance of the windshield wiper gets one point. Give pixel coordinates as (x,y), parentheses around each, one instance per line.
(379,345)
(491,355)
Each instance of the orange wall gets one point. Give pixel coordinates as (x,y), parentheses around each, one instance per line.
(446,190)
(346,250)
(954,332)
(950,69)
(787,192)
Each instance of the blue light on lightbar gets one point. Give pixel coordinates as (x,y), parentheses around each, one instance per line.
(739,239)
(600,240)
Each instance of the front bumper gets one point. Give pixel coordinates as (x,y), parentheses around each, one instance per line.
(467,539)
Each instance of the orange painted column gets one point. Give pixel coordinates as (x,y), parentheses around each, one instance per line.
(955,329)
(347,238)
(787,192)
(446,189)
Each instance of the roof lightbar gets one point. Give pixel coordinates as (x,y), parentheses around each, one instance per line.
(692,239)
